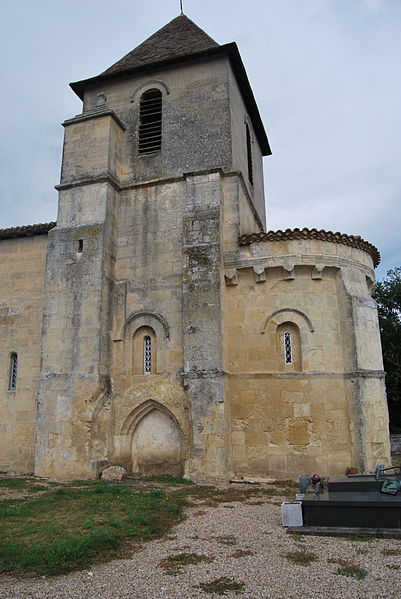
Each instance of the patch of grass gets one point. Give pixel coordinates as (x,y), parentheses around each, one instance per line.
(361,538)
(339,561)
(298,538)
(209,503)
(289,493)
(15,483)
(393,567)
(221,586)
(37,488)
(301,558)
(391,552)
(287,484)
(227,540)
(70,528)
(85,483)
(277,491)
(271,492)
(174,563)
(168,479)
(242,553)
(213,495)
(185,559)
(352,572)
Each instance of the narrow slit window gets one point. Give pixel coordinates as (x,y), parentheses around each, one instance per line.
(287,348)
(249,154)
(80,246)
(12,384)
(147,355)
(150,122)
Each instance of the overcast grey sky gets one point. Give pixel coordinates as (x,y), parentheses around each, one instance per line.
(325,73)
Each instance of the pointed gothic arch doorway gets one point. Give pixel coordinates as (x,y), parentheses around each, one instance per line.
(156,445)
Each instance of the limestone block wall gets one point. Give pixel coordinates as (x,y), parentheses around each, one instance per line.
(195,124)
(202,321)
(239,215)
(157,403)
(93,145)
(75,370)
(75,344)
(239,120)
(150,225)
(22,278)
(168,280)
(326,409)
(147,299)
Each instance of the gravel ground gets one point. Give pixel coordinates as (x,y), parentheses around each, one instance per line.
(221,533)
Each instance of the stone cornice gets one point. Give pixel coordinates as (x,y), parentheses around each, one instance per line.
(95,180)
(291,234)
(304,374)
(126,185)
(290,261)
(94,114)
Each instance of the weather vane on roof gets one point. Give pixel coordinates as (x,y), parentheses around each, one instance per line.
(182,12)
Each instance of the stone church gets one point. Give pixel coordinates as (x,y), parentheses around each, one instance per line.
(157,325)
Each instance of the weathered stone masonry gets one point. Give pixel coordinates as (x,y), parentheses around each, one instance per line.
(157,326)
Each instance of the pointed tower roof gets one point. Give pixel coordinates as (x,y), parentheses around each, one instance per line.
(181,37)
(179,41)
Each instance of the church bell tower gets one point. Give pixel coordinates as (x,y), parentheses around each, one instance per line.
(161,172)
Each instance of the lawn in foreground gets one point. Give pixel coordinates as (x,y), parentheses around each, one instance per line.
(72,527)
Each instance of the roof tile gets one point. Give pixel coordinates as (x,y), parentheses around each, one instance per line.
(180,37)
(355,241)
(26,231)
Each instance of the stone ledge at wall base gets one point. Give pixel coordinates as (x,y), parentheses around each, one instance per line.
(114,473)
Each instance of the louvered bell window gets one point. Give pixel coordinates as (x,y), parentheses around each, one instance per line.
(150,122)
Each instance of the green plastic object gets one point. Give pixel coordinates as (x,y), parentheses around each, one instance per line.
(390,487)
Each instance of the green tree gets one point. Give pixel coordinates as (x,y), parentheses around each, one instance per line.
(388,297)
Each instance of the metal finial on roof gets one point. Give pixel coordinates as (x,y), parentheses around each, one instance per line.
(182,12)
